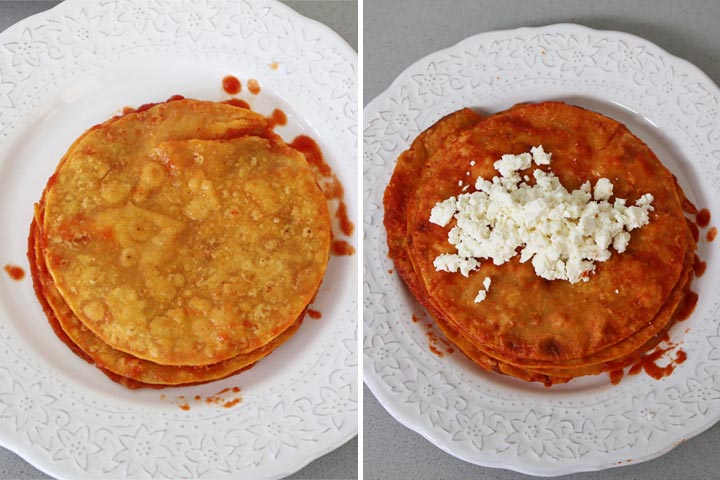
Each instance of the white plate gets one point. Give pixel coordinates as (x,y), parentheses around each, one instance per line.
(68,68)
(498,421)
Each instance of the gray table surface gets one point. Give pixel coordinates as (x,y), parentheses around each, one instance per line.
(341,16)
(398,33)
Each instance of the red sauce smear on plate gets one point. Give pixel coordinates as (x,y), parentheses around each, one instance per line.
(432,342)
(711,234)
(231,85)
(346,225)
(182,403)
(331,187)
(14,272)
(415,318)
(703,218)
(253,86)
(341,247)
(223,400)
(314,314)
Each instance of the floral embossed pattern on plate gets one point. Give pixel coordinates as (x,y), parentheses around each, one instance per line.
(497,421)
(74,66)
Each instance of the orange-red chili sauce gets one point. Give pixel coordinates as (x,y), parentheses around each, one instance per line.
(314,314)
(237,102)
(331,187)
(14,272)
(253,86)
(711,234)
(277,117)
(703,218)
(231,85)
(341,247)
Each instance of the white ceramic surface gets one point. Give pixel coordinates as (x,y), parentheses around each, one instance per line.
(498,421)
(78,64)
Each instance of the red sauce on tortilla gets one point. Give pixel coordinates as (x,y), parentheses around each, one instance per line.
(687,306)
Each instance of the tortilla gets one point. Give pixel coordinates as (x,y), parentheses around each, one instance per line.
(126,367)
(529,317)
(420,165)
(185,234)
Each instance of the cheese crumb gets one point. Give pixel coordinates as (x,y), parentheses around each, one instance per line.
(480,296)
(603,189)
(562,233)
(443,212)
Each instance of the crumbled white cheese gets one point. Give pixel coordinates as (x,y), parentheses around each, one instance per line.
(450,262)
(472,163)
(443,212)
(539,156)
(562,233)
(603,189)
(482,294)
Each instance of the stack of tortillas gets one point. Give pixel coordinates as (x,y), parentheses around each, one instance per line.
(179,244)
(524,325)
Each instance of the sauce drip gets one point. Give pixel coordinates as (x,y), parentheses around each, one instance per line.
(341,247)
(14,272)
(703,218)
(274,66)
(699,268)
(231,85)
(346,225)
(688,206)
(314,314)
(652,368)
(277,118)
(237,102)
(253,86)
(616,376)
(415,318)
(331,187)
(711,234)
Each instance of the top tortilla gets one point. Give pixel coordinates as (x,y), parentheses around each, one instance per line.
(185,234)
(527,317)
